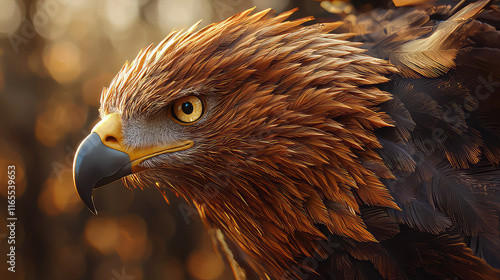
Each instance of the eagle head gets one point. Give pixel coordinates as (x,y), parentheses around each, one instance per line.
(265,125)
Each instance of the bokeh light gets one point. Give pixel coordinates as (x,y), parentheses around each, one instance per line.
(93,87)
(102,234)
(56,198)
(64,61)
(134,245)
(171,268)
(205,265)
(57,119)
(278,5)
(9,155)
(120,14)
(10,16)
(182,13)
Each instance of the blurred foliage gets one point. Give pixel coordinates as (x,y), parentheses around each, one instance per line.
(56,55)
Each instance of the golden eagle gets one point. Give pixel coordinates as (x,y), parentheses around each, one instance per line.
(360,149)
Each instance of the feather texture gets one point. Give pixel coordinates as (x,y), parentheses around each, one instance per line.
(332,155)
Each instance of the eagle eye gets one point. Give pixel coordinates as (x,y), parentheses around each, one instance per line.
(188,109)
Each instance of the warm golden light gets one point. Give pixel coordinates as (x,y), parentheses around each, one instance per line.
(56,198)
(121,14)
(10,156)
(10,16)
(182,13)
(56,120)
(93,87)
(133,244)
(64,61)
(103,234)
(205,265)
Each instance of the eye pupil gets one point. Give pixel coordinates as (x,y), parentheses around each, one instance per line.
(187,108)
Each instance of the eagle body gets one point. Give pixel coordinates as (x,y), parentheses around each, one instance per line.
(363,149)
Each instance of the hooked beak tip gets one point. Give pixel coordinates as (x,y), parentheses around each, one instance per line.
(97,165)
(89,202)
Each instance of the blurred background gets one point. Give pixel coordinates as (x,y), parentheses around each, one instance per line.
(55,58)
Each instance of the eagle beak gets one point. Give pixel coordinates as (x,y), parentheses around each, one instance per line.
(102,158)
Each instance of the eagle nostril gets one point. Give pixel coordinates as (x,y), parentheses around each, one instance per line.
(111,139)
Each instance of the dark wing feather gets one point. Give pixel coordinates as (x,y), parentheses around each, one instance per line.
(443,255)
(403,122)
(445,147)
(420,214)
(379,223)
(474,213)
(397,156)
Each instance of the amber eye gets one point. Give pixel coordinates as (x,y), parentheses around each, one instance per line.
(187,109)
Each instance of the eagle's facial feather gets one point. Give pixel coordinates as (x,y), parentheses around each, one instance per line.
(157,129)
(160,128)
(250,146)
